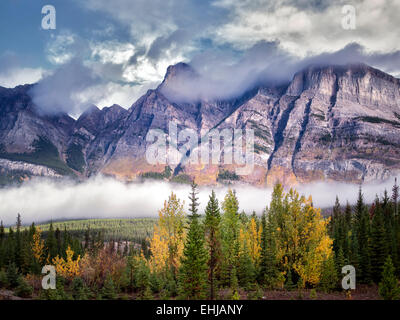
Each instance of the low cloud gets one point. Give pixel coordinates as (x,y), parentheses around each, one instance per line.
(42,200)
(20,76)
(221,76)
(63,90)
(14,73)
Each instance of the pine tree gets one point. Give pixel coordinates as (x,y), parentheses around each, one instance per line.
(268,273)
(12,275)
(395,197)
(338,229)
(2,232)
(193,204)
(10,247)
(363,234)
(348,214)
(329,277)
(18,243)
(340,261)
(51,244)
(2,245)
(109,291)
(379,246)
(193,271)
(234,284)
(230,234)
(212,231)
(246,269)
(389,286)
(57,235)
(347,221)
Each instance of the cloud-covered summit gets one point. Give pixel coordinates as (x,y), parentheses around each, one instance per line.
(232,44)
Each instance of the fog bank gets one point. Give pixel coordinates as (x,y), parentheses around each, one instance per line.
(42,200)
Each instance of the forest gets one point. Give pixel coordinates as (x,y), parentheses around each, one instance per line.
(290,251)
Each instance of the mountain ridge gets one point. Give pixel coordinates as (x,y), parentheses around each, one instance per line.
(330,123)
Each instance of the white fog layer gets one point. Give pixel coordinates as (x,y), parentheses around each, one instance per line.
(42,200)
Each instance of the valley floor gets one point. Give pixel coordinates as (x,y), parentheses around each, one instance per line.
(363,292)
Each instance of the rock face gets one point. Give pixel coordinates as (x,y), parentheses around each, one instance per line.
(336,123)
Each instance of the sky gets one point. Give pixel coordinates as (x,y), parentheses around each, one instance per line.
(104,52)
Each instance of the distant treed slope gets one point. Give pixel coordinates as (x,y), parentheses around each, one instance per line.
(134,230)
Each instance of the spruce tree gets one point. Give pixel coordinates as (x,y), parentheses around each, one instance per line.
(389,286)
(246,270)
(379,246)
(337,227)
(340,261)
(18,243)
(363,234)
(347,222)
(230,234)
(193,204)
(2,245)
(51,244)
(2,232)
(268,271)
(212,230)
(193,270)
(395,197)
(109,291)
(10,247)
(329,276)
(12,275)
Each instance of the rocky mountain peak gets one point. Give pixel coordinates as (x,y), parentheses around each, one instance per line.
(89,119)
(178,70)
(331,122)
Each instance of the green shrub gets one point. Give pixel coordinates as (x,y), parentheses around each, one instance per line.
(79,289)
(12,275)
(313,294)
(23,290)
(3,279)
(108,291)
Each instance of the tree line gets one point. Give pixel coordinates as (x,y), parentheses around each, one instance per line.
(221,254)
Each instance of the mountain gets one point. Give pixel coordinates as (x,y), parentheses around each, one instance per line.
(332,123)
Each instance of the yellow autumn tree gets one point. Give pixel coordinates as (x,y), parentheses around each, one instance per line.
(250,239)
(301,236)
(167,243)
(37,246)
(255,240)
(67,268)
